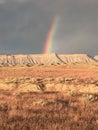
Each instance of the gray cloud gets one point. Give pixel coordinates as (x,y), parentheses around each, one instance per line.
(24,25)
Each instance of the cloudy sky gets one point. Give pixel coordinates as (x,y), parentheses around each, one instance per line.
(24,25)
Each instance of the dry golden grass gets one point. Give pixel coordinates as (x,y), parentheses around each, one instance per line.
(49,98)
(47,111)
(71,71)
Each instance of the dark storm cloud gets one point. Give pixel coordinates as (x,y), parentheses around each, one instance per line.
(24,25)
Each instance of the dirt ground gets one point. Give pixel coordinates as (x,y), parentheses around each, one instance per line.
(74,71)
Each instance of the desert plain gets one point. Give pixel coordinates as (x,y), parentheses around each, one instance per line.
(48,92)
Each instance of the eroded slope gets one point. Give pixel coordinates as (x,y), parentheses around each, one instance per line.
(43,59)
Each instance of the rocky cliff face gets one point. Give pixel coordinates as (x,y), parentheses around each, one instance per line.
(96,57)
(44,59)
(76,58)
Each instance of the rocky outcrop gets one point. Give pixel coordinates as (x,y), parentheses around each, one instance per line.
(96,58)
(43,59)
(76,58)
(44,85)
(46,59)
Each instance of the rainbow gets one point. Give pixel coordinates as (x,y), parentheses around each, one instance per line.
(50,36)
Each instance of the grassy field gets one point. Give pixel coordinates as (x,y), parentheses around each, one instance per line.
(48,102)
(47,111)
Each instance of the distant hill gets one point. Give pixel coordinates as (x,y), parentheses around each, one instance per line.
(44,59)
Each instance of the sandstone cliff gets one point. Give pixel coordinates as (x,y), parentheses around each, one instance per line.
(43,59)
